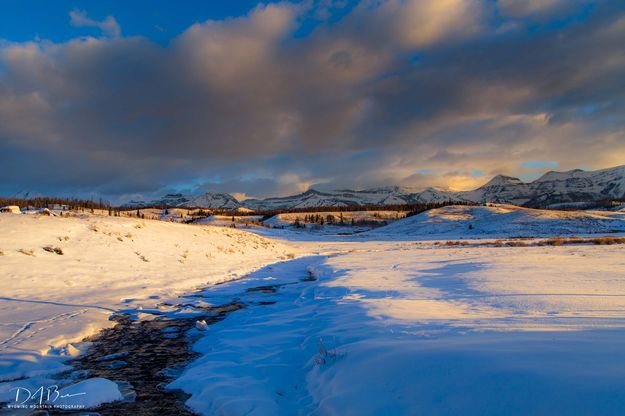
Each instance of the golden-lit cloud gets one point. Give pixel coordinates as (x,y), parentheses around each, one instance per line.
(413,93)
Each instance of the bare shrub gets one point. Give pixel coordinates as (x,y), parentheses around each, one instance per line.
(324,355)
(516,244)
(579,240)
(554,241)
(26,252)
(183,256)
(608,240)
(457,243)
(141,256)
(55,250)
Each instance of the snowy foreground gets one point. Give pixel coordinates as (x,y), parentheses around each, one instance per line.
(366,325)
(49,300)
(400,328)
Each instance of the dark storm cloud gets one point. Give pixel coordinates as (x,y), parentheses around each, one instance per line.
(390,90)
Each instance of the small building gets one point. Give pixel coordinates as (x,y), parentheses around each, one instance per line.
(58,207)
(11,209)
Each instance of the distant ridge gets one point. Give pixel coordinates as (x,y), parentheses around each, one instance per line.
(552,189)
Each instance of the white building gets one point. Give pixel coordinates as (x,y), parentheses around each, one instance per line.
(58,207)
(11,209)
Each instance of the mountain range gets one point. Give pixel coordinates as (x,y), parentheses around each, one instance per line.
(553,189)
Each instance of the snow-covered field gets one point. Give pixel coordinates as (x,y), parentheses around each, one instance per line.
(401,328)
(334,222)
(96,266)
(239,221)
(498,220)
(385,322)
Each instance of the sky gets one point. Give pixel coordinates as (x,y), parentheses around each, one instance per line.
(127,100)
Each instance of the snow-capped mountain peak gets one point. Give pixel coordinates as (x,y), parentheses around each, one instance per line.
(206,200)
(551,189)
(503,180)
(214,200)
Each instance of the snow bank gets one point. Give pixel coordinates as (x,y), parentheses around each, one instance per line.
(63,277)
(502,221)
(400,328)
(86,394)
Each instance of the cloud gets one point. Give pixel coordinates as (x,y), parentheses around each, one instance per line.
(423,23)
(377,96)
(537,8)
(108,26)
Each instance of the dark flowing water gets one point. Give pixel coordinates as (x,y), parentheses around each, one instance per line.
(143,357)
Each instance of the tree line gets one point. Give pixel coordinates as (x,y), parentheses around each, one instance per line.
(409,208)
(45,201)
